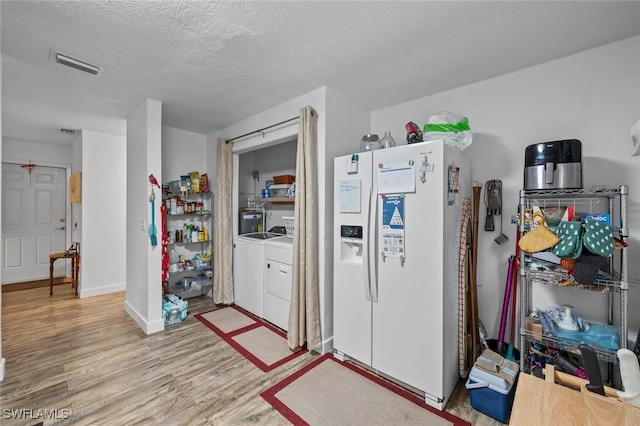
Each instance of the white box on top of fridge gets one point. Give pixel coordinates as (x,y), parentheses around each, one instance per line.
(397,223)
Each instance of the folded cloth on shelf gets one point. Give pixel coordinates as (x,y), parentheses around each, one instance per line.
(496,364)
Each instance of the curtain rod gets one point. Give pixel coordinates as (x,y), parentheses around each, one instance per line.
(263,129)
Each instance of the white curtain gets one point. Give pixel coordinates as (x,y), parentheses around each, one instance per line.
(304,315)
(222,226)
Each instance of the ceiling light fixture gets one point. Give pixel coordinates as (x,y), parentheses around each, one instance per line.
(78,64)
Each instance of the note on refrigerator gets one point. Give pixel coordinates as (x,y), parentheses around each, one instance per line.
(350,196)
(397,178)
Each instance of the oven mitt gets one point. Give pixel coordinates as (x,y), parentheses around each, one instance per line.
(587,267)
(538,239)
(570,245)
(598,237)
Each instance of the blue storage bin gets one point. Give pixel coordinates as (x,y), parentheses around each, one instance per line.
(490,394)
(174,309)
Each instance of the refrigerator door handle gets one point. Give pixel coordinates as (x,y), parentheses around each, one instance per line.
(373,245)
(365,257)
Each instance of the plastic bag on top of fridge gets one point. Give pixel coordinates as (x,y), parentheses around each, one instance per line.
(453,128)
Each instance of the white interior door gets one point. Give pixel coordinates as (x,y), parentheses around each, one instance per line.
(33,221)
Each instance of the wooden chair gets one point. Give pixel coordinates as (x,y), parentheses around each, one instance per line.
(72,253)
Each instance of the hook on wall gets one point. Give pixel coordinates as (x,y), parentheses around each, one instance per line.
(256,175)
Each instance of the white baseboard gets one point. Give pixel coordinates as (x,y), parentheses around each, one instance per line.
(327,345)
(2,367)
(98,291)
(146,326)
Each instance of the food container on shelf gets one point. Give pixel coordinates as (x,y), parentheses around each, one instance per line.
(387,141)
(280,190)
(369,142)
(284,179)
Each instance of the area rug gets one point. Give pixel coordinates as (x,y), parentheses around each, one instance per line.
(331,392)
(258,341)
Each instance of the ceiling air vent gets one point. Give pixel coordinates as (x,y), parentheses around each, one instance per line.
(68,132)
(76,63)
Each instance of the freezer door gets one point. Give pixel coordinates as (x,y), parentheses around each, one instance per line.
(408,316)
(351,291)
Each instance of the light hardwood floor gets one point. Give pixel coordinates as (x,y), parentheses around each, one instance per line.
(86,359)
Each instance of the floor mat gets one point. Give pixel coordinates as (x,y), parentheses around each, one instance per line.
(261,343)
(331,392)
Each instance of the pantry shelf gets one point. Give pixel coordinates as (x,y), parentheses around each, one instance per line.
(609,280)
(549,341)
(277,200)
(195,214)
(187,195)
(188,223)
(559,279)
(203,269)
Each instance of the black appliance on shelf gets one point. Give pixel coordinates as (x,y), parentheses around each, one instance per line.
(553,165)
(250,221)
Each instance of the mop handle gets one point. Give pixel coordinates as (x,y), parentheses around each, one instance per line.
(505,302)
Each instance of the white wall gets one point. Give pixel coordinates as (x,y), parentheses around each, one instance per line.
(48,154)
(182,152)
(103,243)
(269,162)
(144,157)
(247,187)
(592,96)
(76,208)
(347,121)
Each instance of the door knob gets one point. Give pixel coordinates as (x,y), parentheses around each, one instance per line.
(62,228)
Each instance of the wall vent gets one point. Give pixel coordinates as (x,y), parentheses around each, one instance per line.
(68,132)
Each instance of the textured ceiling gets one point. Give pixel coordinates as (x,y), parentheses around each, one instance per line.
(212,64)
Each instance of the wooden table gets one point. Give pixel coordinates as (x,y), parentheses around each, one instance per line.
(542,402)
(75,267)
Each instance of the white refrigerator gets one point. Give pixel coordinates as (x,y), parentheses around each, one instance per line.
(396,252)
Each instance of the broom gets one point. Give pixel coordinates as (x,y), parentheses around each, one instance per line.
(477,188)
